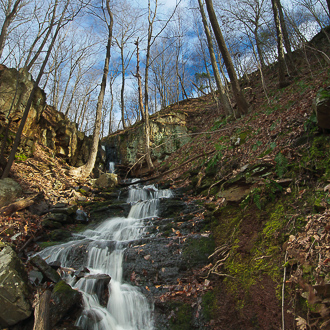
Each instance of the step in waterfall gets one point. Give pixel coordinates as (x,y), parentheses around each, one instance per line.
(127,308)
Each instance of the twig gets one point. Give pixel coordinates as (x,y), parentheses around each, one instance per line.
(226,275)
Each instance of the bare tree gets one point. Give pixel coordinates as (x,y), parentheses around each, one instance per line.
(283,82)
(85,170)
(128,29)
(242,104)
(35,86)
(223,96)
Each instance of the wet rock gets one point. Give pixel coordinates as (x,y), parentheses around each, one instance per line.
(63,300)
(101,287)
(35,277)
(81,216)
(46,270)
(14,291)
(10,190)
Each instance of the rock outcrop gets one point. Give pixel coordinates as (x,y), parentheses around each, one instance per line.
(44,124)
(168,132)
(14,291)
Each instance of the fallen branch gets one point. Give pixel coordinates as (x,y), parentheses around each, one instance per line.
(14,207)
(169,171)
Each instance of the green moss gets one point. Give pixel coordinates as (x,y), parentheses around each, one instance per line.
(44,245)
(182,318)
(209,305)
(197,250)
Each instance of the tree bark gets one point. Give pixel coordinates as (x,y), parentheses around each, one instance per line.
(122,91)
(85,170)
(138,76)
(223,96)
(42,311)
(286,38)
(281,60)
(146,94)
(242,104)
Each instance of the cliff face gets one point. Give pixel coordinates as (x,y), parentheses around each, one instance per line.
(44,123)
(168,132)
(54,130)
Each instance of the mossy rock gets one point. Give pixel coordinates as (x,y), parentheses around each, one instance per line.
(59,235)
(64,301)
(197,249)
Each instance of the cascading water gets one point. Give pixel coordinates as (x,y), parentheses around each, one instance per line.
(112,167)
(127,308)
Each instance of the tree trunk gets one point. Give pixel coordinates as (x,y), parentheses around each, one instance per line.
(138,76)
(146,94)
(286,38)
(281,60)
(122,91)
(223,96)
(242,104)
(85,170)
(5,25)
(29,102)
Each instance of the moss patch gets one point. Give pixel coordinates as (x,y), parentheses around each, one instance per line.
(182,318)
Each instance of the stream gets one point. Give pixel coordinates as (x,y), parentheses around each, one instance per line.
(99,253)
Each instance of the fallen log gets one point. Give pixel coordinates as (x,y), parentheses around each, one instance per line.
(41,311)
(16,206)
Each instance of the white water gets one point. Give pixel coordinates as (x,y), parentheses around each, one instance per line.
(127,308)
(111,167)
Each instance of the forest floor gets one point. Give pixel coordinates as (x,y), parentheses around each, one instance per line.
(270,133)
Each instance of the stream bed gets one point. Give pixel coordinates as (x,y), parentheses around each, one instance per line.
(125,266)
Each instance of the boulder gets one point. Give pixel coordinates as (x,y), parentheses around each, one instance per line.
(45,269)
(64,299)
(14,291)
(107,180)
(10,190)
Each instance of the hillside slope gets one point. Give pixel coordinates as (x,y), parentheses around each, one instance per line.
(264,181)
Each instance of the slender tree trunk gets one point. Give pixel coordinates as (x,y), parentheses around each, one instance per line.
(242,104)
(259,50)
(286,38)
(30,100)
(138,76)
(223,96)
(146,94)
(281,60)
(4,30)
(122,91)
(85,170)
(111,109)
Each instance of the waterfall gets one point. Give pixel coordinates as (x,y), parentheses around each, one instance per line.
(111,167)
(127,308)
